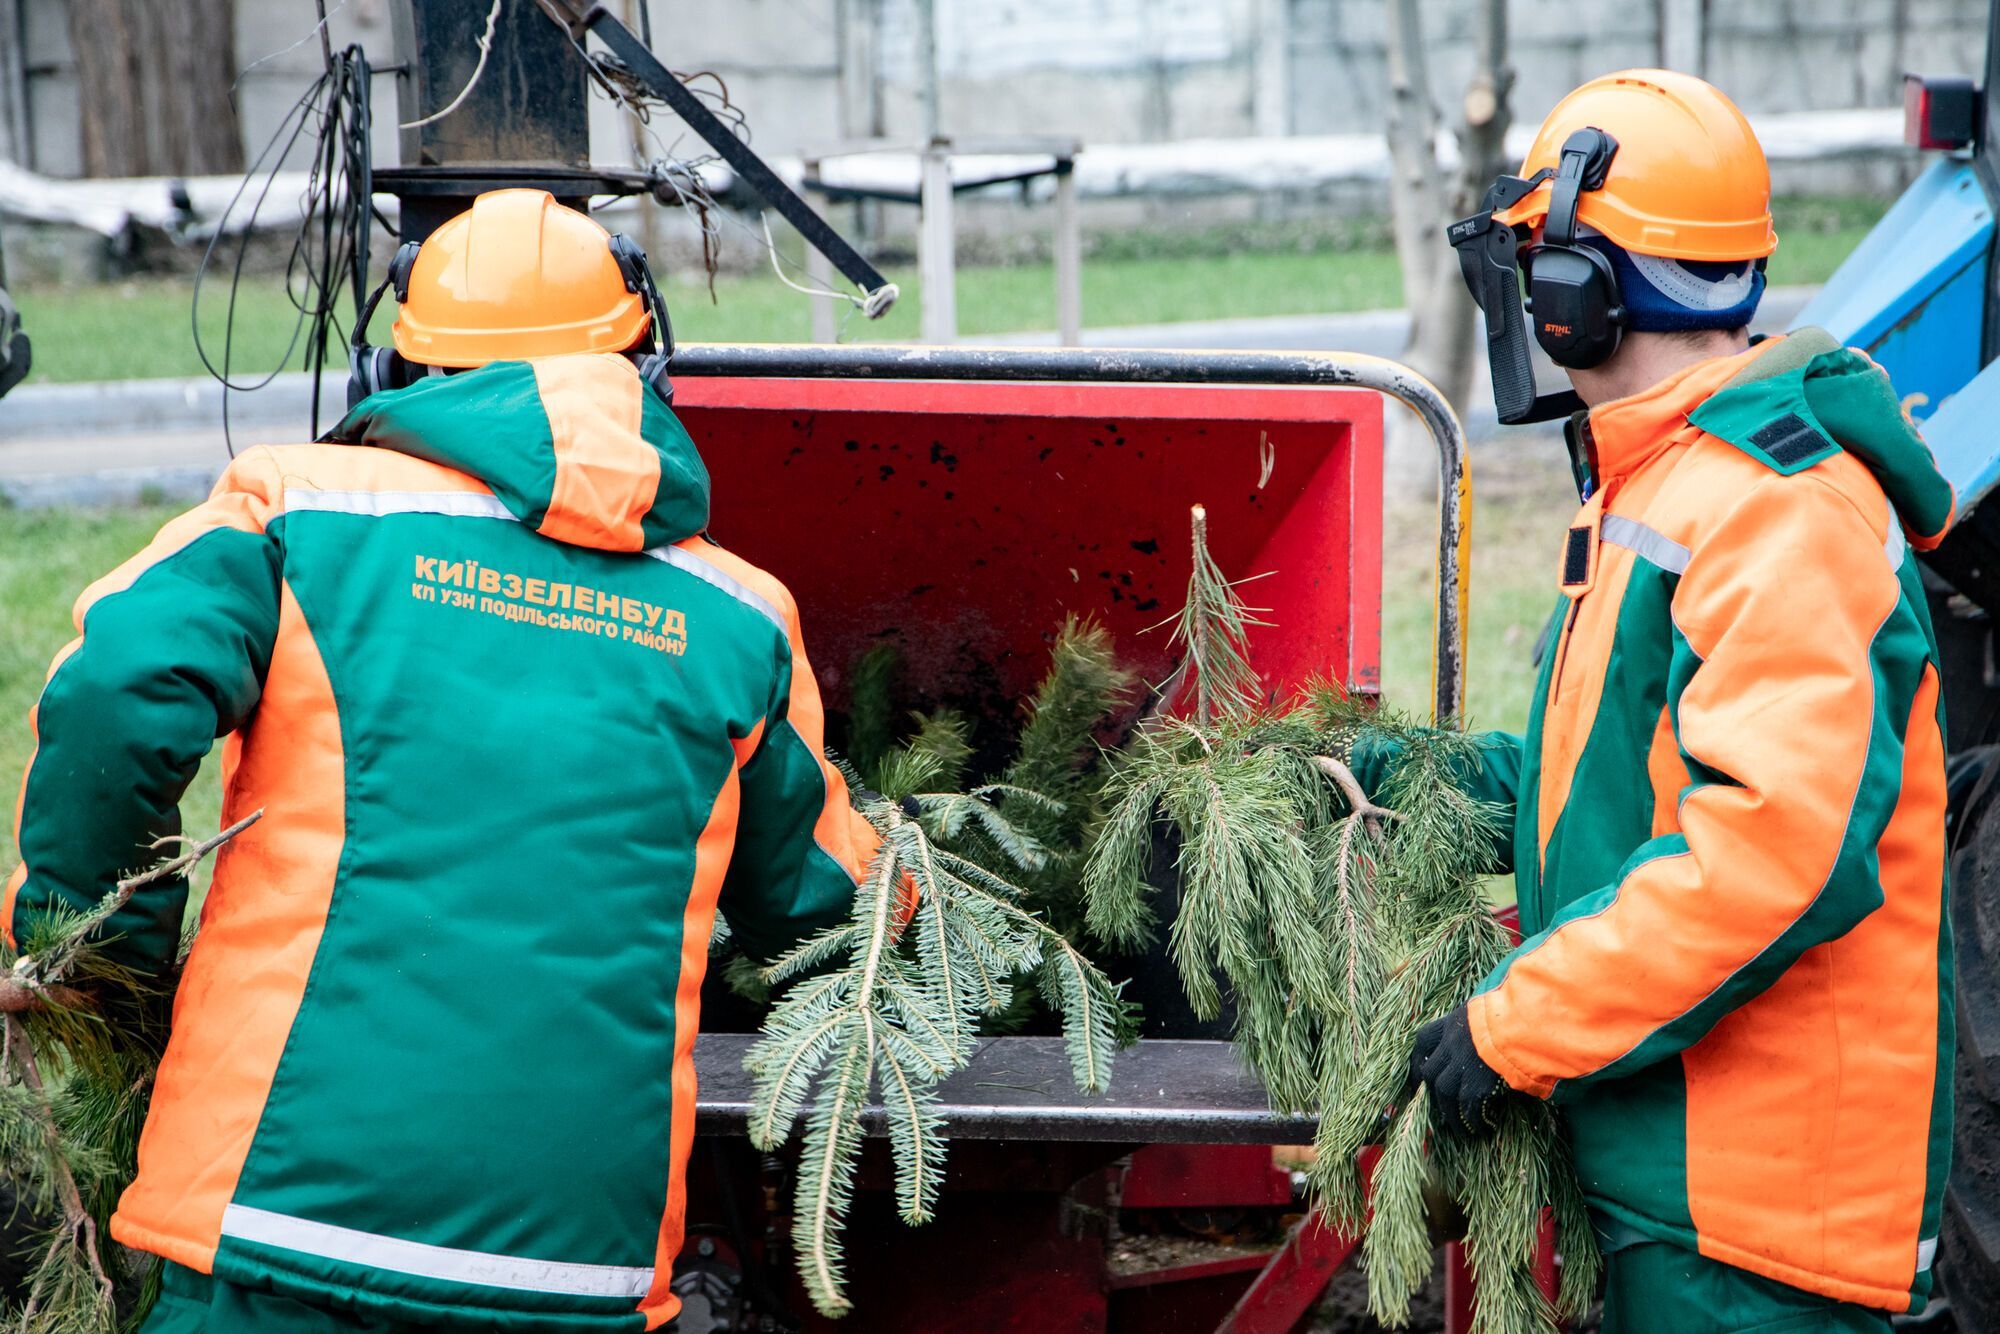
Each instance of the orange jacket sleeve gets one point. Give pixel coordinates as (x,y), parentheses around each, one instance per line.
(1800,648)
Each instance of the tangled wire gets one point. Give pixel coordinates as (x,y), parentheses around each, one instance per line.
(329,248)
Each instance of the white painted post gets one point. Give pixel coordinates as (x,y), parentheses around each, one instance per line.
(1683,41)
(819,270)
(1271,69)
(16,141)
(937,266)
(1069,257)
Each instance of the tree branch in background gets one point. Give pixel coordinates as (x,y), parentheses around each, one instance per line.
(1416,196)
(1444,329)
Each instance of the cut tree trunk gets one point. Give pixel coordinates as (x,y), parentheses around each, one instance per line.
(154,86)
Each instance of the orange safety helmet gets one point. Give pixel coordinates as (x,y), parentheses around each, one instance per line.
(1689,180)
(518,275)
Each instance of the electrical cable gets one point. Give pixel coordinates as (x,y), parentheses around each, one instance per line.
(318,30)
(330,246)
(485,49)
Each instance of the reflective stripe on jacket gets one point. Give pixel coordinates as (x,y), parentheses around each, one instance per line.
(518,732)
(1730,837)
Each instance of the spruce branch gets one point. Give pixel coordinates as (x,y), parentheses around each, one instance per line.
(35,980)
(896,1010)
(871,710)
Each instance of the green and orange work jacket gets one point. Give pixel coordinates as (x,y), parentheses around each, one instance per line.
(1729,832)
(518,732)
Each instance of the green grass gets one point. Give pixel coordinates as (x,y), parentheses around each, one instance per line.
(1520,504)
(47,557)
(141,328)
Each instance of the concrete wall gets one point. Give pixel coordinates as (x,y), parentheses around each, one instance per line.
(810,72)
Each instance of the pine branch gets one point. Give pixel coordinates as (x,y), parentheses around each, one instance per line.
(1338,922)
(36,979)
(1397,1247)
(1212,630)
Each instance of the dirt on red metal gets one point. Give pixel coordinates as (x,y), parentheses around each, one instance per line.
(1204,1176)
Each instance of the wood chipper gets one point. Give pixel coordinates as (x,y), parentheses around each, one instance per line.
(998,491)
(961,503)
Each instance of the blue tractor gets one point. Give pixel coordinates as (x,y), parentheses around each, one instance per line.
(1921,295)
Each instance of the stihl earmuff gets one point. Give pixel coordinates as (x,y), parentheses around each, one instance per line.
(371,370)
(1572,289)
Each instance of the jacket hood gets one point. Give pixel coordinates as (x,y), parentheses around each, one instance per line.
(1804,397)
(579,447)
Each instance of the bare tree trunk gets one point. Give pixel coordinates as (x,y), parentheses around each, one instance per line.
(1444,328)
(154,86)
(1415,197)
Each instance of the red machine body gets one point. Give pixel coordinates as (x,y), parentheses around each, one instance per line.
(963,519)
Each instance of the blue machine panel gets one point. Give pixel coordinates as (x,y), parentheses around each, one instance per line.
(1913,293)
(1965,436)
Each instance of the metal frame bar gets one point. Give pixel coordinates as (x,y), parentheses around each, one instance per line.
(938,190)
(580,18)
(1151,366)
(1292,1279)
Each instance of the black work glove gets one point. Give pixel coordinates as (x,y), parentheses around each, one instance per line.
(1467,1092)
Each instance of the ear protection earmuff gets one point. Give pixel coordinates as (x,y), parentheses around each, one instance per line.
(1573,296)
(371,370)
(653,363)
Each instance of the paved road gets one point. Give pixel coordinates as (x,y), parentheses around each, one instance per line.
(129,440)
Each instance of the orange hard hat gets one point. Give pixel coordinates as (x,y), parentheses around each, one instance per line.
(517,275)
(1689,179)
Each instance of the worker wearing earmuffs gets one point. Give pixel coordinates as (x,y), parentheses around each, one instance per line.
(518,731)
(1729,809)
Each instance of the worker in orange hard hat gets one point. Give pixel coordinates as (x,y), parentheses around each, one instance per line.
(1735,972)
(518,731)
(516,277)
